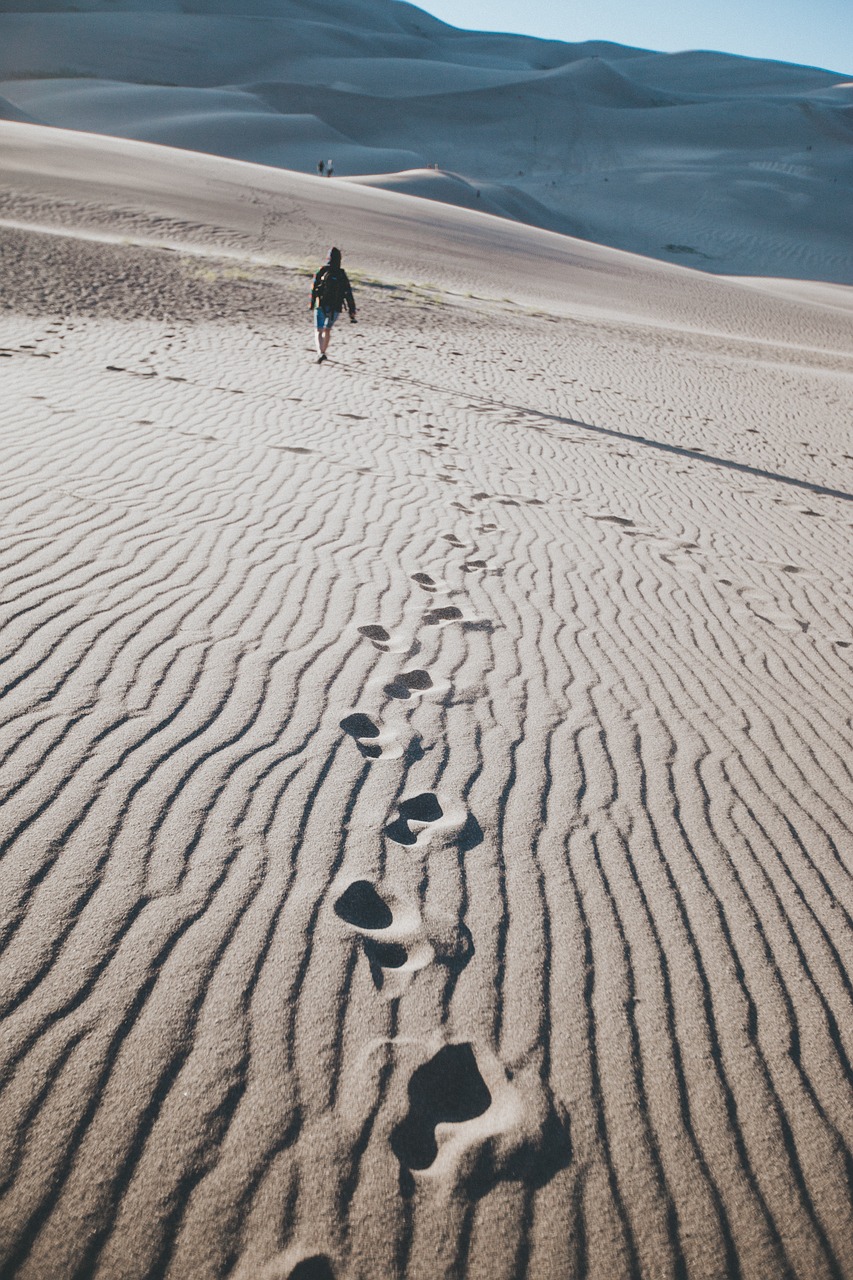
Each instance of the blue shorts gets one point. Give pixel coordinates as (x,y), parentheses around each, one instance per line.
(325,319)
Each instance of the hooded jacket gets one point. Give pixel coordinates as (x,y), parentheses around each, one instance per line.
(331,288)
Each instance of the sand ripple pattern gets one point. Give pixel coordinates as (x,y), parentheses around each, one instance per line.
(426,822)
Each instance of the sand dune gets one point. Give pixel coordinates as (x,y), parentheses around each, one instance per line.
(732,165)
(426,778)
(168,197)
(452,188)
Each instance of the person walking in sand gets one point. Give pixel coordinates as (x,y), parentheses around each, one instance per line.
(331,290)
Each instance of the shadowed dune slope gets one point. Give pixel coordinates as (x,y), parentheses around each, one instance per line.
(426,778)
(732,165)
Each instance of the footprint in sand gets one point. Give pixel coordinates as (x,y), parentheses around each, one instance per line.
(410,683)
(317,1267)
(441,617)
(679,554)
(446,1090)
(384,640)
(428,583)
(414,816)
(422,818)
(296,1263)
(623,521)
(762,605)
(468,1119)
(374,632)
(452,539)
(397,941)
(450,614)
(360,905)
(372,742)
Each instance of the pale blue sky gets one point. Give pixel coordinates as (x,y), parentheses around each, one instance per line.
(815,32)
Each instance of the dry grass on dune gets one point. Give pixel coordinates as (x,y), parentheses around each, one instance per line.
(426,785)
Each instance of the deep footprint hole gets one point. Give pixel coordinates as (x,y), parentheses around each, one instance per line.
(416,680)
(385,955)
(448,614)
(422,808)
(359,725)
(316,1268)
(447,1089)
(398,690)
(373,632)
(361,905)
(399,832)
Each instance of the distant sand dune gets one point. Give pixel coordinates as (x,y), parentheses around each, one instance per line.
(426,784)
(732,165)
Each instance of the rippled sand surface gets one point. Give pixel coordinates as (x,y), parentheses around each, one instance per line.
(426,777)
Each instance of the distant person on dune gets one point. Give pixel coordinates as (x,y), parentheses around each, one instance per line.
(330,291)
(321,167)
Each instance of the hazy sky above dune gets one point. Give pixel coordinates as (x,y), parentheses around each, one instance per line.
(815,32)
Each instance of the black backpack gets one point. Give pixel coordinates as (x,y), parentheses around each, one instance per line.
(331,289)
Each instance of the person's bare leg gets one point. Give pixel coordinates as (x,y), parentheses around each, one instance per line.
(317,341)
(323,336)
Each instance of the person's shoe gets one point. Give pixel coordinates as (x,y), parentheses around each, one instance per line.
(321,358)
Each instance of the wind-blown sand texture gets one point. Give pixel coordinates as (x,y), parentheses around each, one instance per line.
(734,165)
(426,778)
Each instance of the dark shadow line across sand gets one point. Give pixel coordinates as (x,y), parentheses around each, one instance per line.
(679,450)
